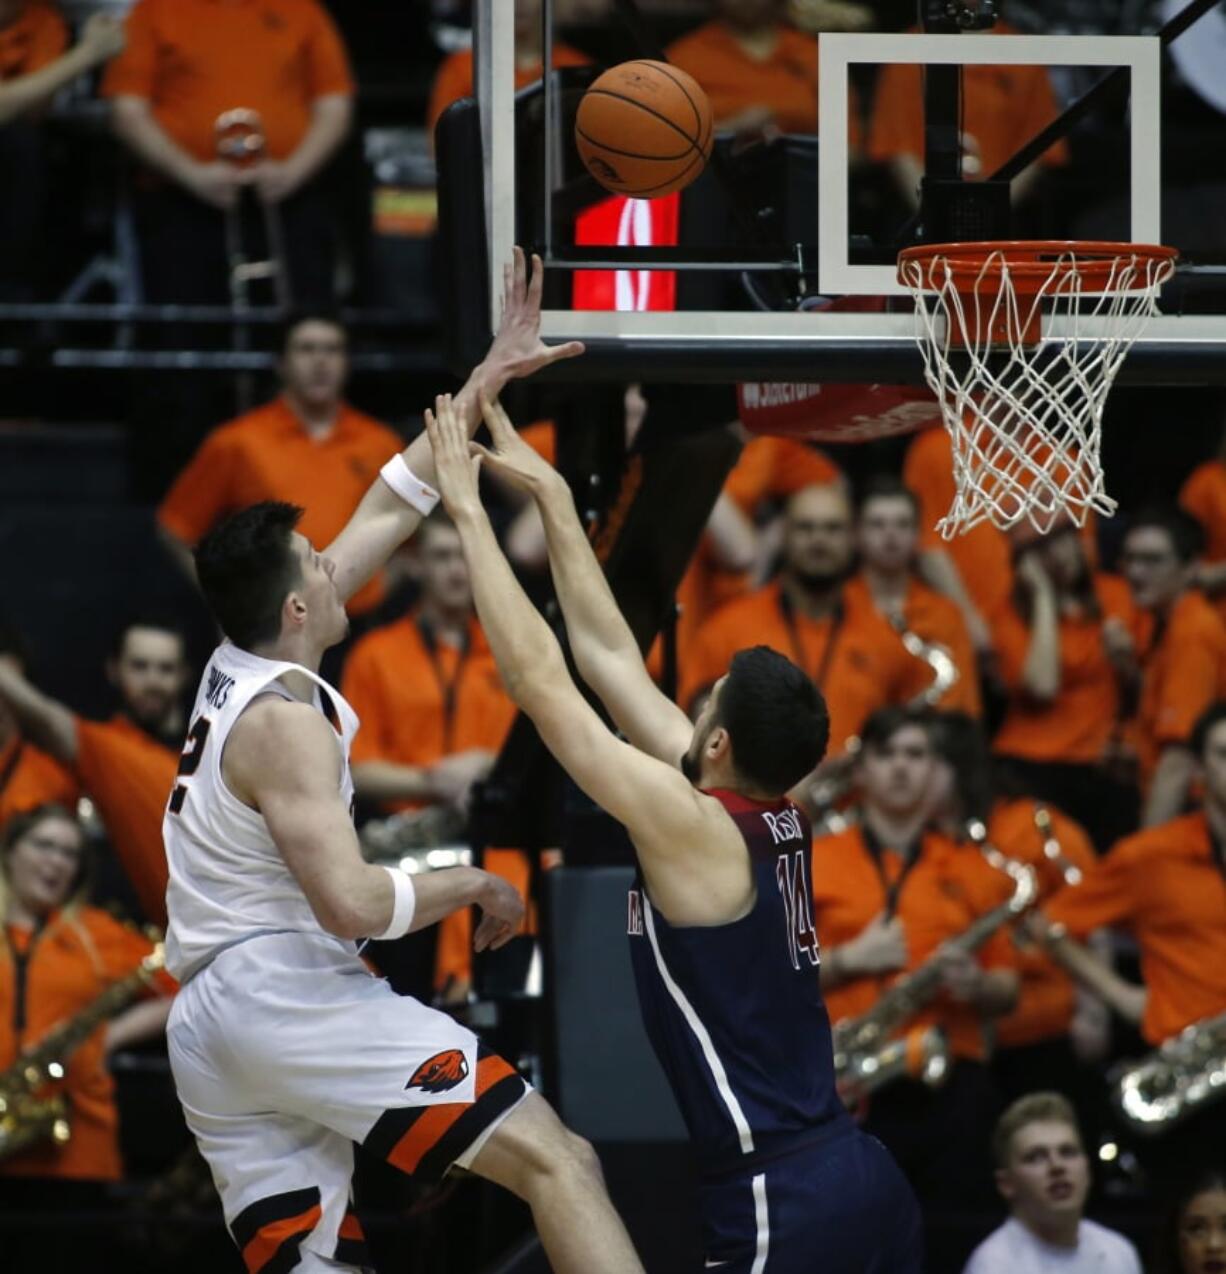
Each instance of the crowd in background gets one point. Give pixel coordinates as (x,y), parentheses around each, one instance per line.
(1064,692)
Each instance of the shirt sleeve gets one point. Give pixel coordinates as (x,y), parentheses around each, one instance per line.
(964,695)
(797,466)
(1195,498)
(122,948)
(1189,687)
(707,659)
(133,72)
(927,476)
(201,493)
(1104,897)
(360,686)
(327,68)
(50,39)
(1011,642)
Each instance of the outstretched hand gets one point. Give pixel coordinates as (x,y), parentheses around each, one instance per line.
(455,467)
(518,350)
(511,457)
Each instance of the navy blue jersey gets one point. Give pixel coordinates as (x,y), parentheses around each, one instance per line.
(735,1012)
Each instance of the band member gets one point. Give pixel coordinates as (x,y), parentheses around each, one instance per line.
(722,943)
(57,955)
(1043,1174)
(1164,886)
(1066,653)
(890,893)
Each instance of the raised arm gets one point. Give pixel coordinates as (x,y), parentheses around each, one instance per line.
(46,722)
(673,826)
(283,760)
(101,38)
(604,648)
(383,520)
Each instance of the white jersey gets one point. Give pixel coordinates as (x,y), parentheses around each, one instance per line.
(228,881)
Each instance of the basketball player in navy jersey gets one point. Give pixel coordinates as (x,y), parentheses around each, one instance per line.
(722,939)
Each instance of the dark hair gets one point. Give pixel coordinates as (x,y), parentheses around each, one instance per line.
(1202,1179)
(246,568)
(1212,716)
(12,643)
(159,621)
(1184,531)
(885,723)
(886,486)
(316,314)
(957,738)
(776,717)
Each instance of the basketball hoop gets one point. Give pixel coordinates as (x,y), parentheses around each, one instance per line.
(1021,343)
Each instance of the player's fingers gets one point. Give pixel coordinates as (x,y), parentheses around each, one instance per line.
(572,349)
(521,273)
(487,456)
(538,282)
(508,285)
(503,938)
(490,415)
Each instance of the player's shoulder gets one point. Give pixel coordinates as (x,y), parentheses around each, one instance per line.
(273,732)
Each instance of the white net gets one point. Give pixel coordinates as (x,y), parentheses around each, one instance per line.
(1021,348)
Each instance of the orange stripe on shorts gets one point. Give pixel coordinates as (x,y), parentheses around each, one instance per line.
(435,1121)
(351,1227)
(268,1239)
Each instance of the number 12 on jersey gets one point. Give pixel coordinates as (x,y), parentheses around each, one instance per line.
(189,762)
(794,886)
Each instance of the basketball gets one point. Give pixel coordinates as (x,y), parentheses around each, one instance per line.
(644,129)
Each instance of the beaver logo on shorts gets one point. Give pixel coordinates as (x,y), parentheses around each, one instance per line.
(441,1072)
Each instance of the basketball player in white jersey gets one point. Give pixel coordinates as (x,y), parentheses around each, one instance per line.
(285,1048)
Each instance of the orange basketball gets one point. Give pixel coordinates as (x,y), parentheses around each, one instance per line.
(644,129)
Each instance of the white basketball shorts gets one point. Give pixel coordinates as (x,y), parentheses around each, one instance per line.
(286,1050)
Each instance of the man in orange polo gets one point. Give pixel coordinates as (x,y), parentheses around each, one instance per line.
(308,445)
(188,63)
(29,777)
(887,532)
(1183,660)
(1166,886)
(1203,495)
(33,68)
(888,892)
(853,655)
(434,715)
(125,765)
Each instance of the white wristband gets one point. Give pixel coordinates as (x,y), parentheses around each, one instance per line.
(403,907)
(408,486)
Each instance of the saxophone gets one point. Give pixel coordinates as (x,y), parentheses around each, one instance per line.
(865,1058)
(26,1118)
(1173,1082)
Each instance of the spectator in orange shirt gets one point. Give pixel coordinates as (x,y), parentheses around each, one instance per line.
(29,777)
(434,716)
(188,62)
(1203,495)
(888,892)
(1065,655)
(1003,108)
(1164,886)
(1055,1032)
(33,68)
(126,765)
(455,79)
(1183,660)
(307,446)
(887,532)
(758,70)
(853,655)
(57,954)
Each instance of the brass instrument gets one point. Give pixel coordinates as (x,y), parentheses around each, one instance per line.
(25,1117)
(945,675)
(1052,849)
(865,1058)
(432,837)
(1173,1082)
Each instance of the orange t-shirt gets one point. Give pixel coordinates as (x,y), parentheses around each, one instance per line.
(934,618)
(33,40)
(1076,726)
(128,776)
(268,455)
(982,555)
(1048,994)
(857,661)
(30,778)
(454,78)
(67,965)
(1165,888)
(1183,673)
(194,60)
(400,691)
(1203,495)
(944,891)
(786,81)
(772,467)
(1003,108)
